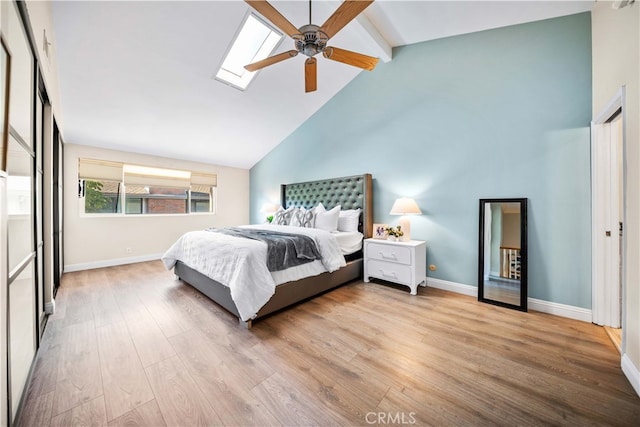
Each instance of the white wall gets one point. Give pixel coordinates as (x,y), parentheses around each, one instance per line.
(41,19)
(95,241)
(616,62)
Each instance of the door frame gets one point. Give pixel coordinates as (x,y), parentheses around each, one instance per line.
(58,207)
(608,261)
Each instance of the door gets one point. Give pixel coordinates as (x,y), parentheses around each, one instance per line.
(22,329)
(608,211)
(4,398)
(58,219)
(41,102)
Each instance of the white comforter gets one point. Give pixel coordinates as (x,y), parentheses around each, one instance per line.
(240,263)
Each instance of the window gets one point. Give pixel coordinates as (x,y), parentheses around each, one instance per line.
(255,41)
(101,196)
(106,187)
(144,199)
(201,197)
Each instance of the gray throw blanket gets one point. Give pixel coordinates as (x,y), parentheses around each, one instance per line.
(284,250)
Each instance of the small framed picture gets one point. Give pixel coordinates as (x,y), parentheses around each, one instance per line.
(380,231)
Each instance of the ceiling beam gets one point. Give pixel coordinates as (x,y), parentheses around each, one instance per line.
(380,45)
(363,29)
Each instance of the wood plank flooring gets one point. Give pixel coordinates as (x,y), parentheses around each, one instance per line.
(131,345)
(615,334)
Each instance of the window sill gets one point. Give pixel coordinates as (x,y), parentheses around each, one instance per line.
(86,215)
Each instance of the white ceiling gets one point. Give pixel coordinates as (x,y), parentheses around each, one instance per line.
(138,76)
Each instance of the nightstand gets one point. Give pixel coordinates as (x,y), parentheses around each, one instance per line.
(404,263)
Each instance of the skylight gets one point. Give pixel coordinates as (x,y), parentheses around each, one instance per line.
(255,41)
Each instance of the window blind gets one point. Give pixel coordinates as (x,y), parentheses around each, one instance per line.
(201,178)
(104,170)
(156,177)
(99,170)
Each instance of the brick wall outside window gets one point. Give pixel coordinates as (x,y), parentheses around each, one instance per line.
(159,206)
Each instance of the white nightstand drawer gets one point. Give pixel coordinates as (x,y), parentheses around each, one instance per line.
(389,271)
(391,253)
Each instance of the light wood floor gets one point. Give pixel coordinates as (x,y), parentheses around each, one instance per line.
(131,345)
(615,334)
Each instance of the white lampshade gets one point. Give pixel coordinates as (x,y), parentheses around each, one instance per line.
(269,207)
(405,206)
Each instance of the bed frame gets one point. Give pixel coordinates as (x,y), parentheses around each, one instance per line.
(350,192)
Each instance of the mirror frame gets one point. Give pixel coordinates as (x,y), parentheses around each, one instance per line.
(523,254)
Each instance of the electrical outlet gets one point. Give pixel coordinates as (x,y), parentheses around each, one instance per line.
(432,267)
(129,250)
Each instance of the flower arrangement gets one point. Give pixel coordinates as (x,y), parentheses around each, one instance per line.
(395,231)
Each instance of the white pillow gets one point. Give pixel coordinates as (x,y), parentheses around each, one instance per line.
(327,220)
(349,220)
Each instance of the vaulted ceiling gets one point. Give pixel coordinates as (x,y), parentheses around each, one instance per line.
(138,76)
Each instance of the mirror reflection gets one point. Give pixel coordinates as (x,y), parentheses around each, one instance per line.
(502,263)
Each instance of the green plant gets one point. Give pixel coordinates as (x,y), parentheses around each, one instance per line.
(394,231)
(94,201)
(270,219)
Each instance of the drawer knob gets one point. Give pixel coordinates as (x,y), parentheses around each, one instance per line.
(385,256)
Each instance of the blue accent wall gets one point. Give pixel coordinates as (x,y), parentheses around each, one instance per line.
(498,113)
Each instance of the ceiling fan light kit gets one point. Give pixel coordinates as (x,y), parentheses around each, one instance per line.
(311,39)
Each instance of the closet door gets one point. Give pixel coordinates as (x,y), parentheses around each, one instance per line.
(39,208)
(5,61)
(22,274)
(58,219)
(21,201)
(4,392)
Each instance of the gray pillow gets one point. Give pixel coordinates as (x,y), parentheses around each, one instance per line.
(303,218)
(283,216)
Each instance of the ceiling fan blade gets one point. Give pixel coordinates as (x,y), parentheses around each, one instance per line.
(348,10)
(269,12)
(310,75)
(271,60)
(351,58)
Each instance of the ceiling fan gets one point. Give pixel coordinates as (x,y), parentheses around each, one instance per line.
(311,39)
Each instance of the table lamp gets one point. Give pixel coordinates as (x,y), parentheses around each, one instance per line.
(269,209)
(405,206)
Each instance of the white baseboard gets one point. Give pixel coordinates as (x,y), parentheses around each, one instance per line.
(110,262)
(562,310)
(631,372)
(50,307)
(458,288)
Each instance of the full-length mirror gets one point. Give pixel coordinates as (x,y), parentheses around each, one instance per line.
(502,264)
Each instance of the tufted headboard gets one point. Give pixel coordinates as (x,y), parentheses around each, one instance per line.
(350,192)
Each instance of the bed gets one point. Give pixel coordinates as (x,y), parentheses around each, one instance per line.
(352,192)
